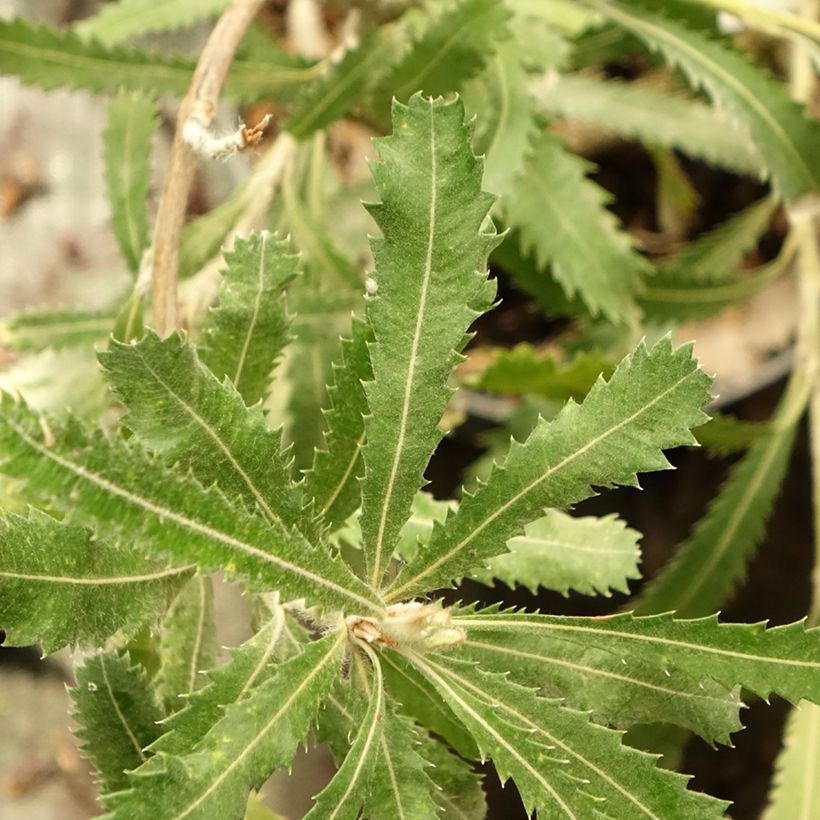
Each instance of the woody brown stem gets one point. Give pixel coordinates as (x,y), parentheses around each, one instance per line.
(199,105)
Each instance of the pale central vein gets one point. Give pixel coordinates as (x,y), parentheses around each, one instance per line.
(408,388)
(432,567)
(200,629)
(257,303)
(120,715)
(187,523)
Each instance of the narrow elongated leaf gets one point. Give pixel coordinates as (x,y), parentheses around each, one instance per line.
(59,586)
(343,797)
(712,561)
(522,370)
(432,282)
(590,555)
(330,97)
(50,59)
(701,279)
(637,111)
(408,687)
(621,429)
(250,665)
(117,22)
(724,434)
(36,330)
(247,331)
(594,768)
(179,409)
(256,736)
(118,487)
(451,48)
(562,217)
(400,784)
(777,126)
(505,125)
(615,690)
(187,643)
(115,706)
(796,791)
(131,123)
(783,660)
(333,483)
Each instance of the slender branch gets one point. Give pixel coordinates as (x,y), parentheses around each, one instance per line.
(199,105)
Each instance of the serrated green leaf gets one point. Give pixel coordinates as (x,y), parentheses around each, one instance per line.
(712,561)
(401,783)
(561,216)
(450,49)
(777,126)
(562,765)
(178,409)
(589,555)
(783,660)
(117,22)
(344,796)
(187,645)
(131,123)
(333,483)
(424,705)
(61,59)
(432,283)
(331,96)
(523,370)
(426,510)
(37,330)
(650,403)
(256,736)
(250,665)
(117,713)
(458,792)
(118,487)
(638,111)
(59,586)
(245,334)
(505,111)
(701,279)
(797,771)
(613,689)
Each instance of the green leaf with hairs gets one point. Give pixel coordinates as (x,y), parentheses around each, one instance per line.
(562,218)
(118,715)
(246,332)
(777,125)
(449,48)
(33,331)
(562,764)
(179,409)
(60,586)
(522,369)
(615,689)
(51,58)
(132,119)
(650,403)
(256,736)
(589,555)
(781,660)
(118,22)
(656,117)
(332,485)
(432,283)
(187,645)
(119,488)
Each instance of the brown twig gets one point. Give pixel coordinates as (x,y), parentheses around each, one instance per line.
(199,105)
